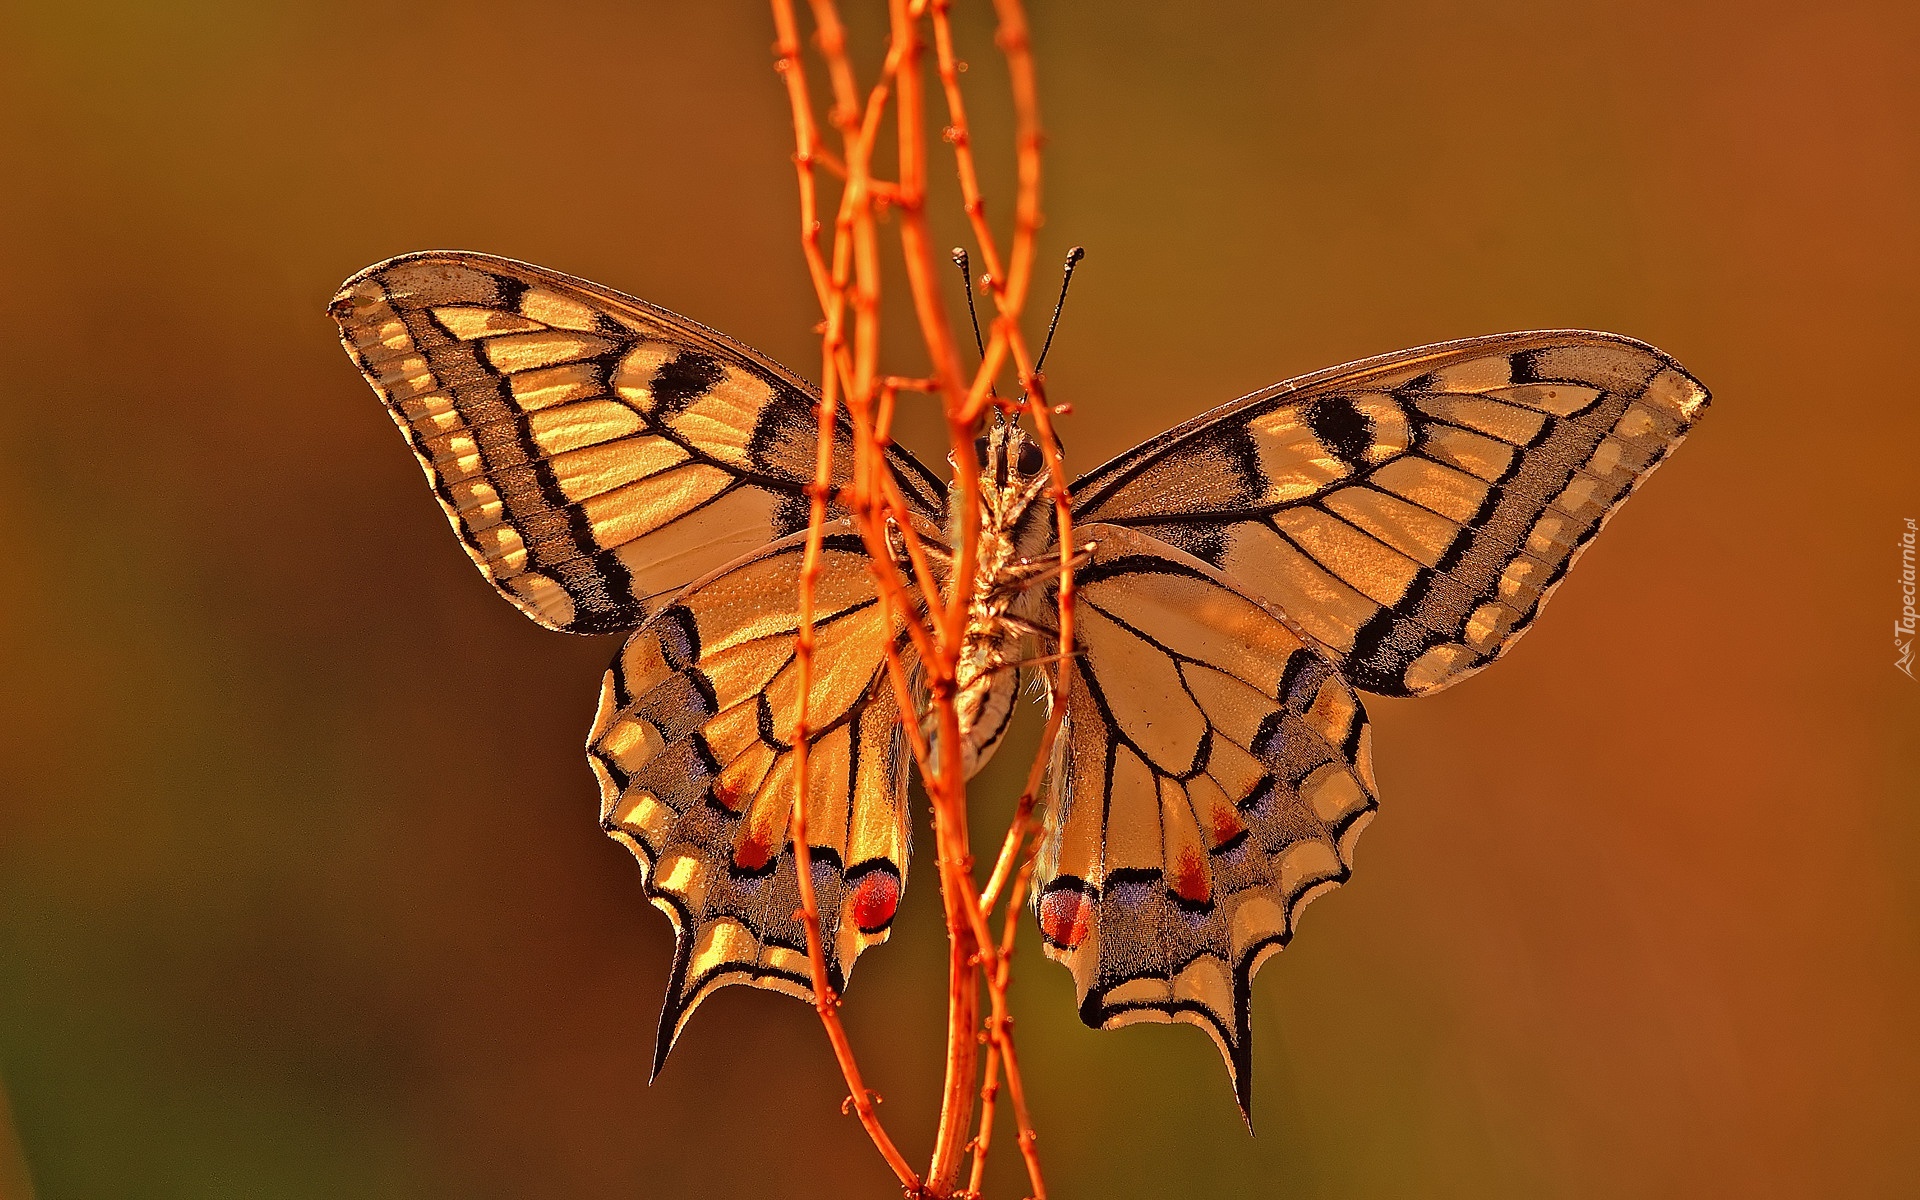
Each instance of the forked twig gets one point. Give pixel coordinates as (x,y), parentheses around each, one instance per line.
(846,277)
(826,1003)
(1003,1047)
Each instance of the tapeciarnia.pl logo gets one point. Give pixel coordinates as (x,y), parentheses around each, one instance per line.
(1903,627)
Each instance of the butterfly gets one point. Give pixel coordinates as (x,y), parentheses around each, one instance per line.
(1389,526)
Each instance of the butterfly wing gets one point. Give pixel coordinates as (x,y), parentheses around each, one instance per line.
(593,452)
(1411,512)
(1212,774)
(693,747)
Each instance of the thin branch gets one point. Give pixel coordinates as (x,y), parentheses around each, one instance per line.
(825,1002)
(925,594)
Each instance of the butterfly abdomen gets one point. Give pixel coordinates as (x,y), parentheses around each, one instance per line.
(986,679)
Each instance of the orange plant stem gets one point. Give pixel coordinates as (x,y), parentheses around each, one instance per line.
(1009,296)
(1013,42)
(806,152)
(1008,291)
(960,137)
(935,627)
(826,1002)
(1022,815)
(991,1087)
(948,787)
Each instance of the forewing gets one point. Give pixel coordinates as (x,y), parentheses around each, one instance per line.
(594,452)
(693,747)
(1212,775)
(1411,512)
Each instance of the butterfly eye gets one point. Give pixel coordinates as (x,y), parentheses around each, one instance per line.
(980,448)
(1031,460)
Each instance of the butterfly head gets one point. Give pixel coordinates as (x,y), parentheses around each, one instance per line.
(1013,475)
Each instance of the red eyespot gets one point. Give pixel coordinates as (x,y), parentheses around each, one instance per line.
(875,899)
(1064,916)
(728,796)
(1225,823)
(1190,879)
(752,853)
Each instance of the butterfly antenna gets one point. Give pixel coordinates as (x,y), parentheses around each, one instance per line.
(966,279)
(1066,277)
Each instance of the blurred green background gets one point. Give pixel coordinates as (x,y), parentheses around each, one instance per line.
(301,890)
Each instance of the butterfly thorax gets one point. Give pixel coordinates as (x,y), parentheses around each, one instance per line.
(1011,544)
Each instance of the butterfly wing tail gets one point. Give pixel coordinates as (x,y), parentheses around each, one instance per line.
(694,751)
(1214,774)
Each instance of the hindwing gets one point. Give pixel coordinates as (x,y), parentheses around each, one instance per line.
(694,750)
(594,452)
(1411,512)
(1212,774)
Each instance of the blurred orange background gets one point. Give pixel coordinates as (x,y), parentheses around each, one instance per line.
(301,889)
